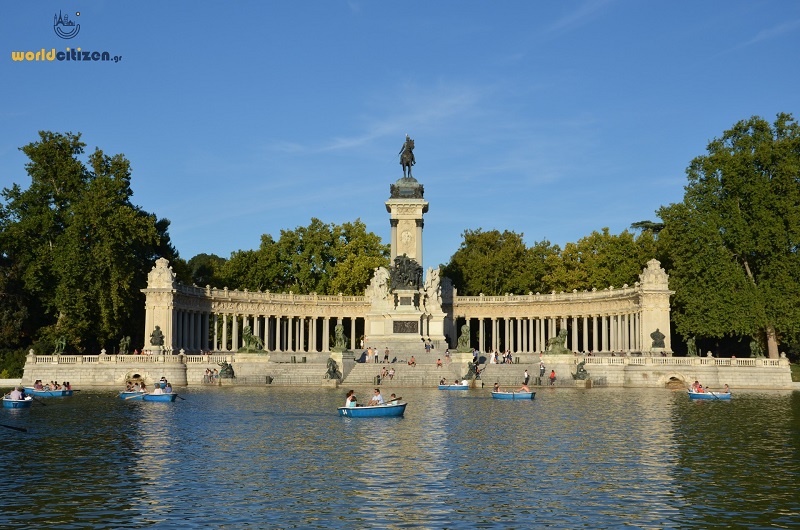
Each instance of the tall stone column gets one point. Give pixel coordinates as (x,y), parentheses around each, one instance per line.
(235,332)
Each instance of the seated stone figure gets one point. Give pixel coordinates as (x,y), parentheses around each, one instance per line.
(333,370)
(581,374)
(226,371)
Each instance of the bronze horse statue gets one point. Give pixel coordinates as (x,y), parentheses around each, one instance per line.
(407,156)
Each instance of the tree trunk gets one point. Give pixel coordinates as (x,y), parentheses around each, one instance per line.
(772,342)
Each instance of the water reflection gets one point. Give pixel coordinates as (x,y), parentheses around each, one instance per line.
(230,457)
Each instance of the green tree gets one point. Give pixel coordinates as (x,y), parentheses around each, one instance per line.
(320,258)
(78,249)
(206,269)
(494,263)
(733,241)
(600,260)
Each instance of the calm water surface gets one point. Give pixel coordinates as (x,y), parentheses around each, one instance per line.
(282,458)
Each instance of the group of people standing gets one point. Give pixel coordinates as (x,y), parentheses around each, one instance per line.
(211,376)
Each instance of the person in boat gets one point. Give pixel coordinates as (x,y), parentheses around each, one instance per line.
(16,394)
(523,388)
(726,389)
(496,387)
(443,381)
(695,386)
(377,398)
(167,388)
(392,399)
(456,383)
(157,390)
(38,385)
(350,400)
(143,388)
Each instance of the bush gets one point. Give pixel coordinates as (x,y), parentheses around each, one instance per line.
(12,363)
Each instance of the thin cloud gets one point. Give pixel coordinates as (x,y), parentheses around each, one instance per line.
(579,17)
(771,33)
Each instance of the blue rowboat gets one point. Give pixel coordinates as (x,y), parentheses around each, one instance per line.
(453,387)
(709,395)
(47,393)
(513,395)
(376,411)
(9,403)
(144,396)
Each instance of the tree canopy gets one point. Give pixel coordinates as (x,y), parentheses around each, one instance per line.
(495,263)
(318,258)
(75,250)
(733,241)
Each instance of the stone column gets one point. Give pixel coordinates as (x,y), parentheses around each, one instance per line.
(575,346)
(353,333)
(595,335)
(585,333)
(235,333)
(605,333)
(216,332)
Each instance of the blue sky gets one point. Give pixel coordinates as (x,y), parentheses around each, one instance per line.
(550,119)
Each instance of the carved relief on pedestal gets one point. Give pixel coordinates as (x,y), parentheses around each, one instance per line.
(406,240)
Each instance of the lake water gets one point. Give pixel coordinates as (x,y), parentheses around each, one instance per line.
(266,457)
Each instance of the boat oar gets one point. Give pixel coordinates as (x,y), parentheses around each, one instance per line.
(20,429)
(134,396)
(37,400)
(179,397)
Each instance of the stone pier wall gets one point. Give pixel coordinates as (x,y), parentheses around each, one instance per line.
(84,371)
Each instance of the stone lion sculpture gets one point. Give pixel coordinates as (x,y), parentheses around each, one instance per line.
(463,339)
(558,345)
(339,342)
(250,343)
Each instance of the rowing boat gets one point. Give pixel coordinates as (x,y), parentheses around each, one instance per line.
(24,403)
(513,395)
(710,395)
(376,411)
(144,396)
(453,387)
(47,393)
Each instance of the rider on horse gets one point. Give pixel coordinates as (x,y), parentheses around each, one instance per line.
(407,156)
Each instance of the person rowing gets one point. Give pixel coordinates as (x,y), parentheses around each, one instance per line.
(377,399)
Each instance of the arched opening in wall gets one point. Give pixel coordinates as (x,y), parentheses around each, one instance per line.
(133,378)
(674,383)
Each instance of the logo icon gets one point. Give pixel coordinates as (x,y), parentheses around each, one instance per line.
(64,27)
